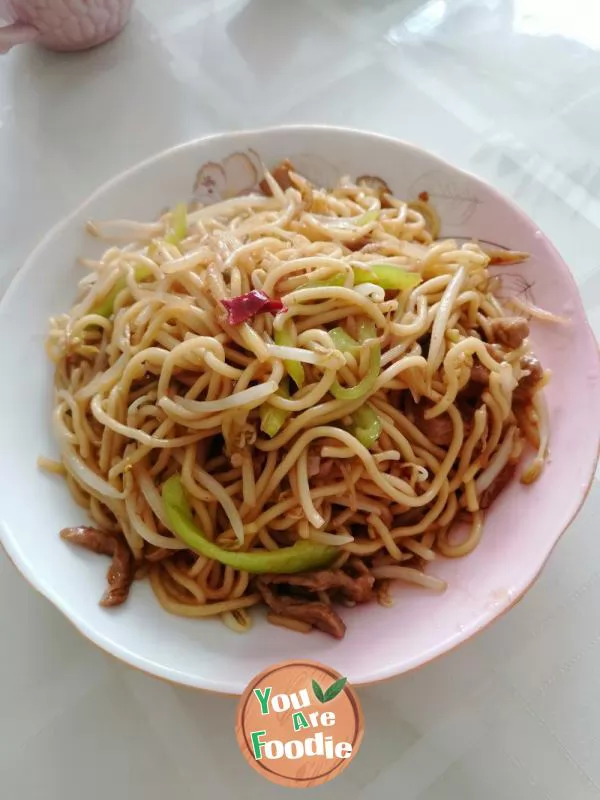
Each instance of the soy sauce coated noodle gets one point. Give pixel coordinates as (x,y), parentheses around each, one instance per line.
(382,405)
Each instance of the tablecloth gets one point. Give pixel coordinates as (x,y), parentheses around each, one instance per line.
(508,89)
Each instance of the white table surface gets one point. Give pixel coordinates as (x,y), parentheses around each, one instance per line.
(509,89)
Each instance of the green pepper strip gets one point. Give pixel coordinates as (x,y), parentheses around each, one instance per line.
(294,369)
(387,276)
(366,426)
(302,556)
(368,216)
(336,280)
(367,331)
(343,342)
(177,231)
(179,228)
(271,418)
(106,306)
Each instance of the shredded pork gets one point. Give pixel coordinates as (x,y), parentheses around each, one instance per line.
(296,595)
(121,571)
(510,331)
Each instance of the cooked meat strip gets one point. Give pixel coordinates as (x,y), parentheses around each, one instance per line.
(505,476)
(467,409)
(328,466)
(528,383)
(317,614)
(411,517)
(157,553)
(424,343)
(357,566)
(358,589)
(416,563)
(495,351)
(281,173)
(121,571)
(475,386)
(438,430)
(510,331)
(378,185)
(313,464)
(358,244)
(480,375)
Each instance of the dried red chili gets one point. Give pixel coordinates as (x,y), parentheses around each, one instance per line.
(245,306)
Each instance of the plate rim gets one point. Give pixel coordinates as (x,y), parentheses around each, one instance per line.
(18,558)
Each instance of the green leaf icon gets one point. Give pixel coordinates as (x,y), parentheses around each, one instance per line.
(318,691)
(335,688)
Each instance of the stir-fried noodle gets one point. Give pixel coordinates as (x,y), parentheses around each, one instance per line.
(290,397)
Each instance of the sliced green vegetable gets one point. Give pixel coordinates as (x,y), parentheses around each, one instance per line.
(178,228)
(387,276)
(368,216)
(366,331)
(295,370)
(343,341)
(152,249)
(365,385)
(366,426)
(106,306)
(271,418)
(336,280)
(302,556)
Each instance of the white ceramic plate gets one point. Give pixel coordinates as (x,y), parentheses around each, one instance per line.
(521,529)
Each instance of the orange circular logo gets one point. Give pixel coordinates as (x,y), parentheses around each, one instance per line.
(299,723)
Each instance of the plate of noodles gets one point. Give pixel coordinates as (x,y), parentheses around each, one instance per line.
(299,392)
